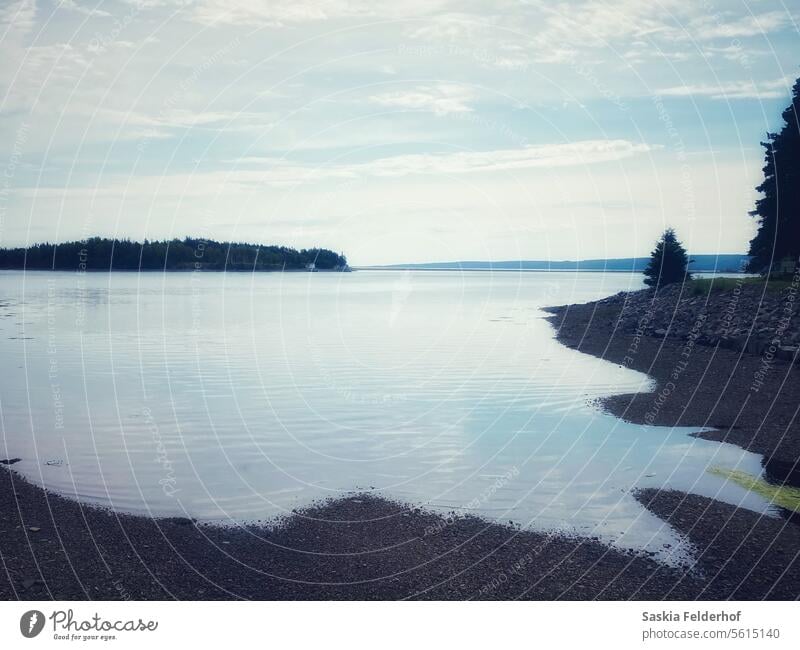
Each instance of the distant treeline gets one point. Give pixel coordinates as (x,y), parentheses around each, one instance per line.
(727,263)
(99,253)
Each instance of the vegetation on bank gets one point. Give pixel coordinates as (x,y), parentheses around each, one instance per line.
(704,286)
(781,495)
(98,253)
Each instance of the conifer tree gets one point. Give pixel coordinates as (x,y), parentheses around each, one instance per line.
(778,210)
(668,262)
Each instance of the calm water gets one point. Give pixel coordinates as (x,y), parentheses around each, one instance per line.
(234,397)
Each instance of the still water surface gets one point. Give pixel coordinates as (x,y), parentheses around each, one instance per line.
(234,397)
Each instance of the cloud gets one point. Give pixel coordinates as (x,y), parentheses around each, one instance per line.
(598,21)
(439,100)
(749,89)
(72,5)
(270,13)
(585,152)
(182,118)
(753,25)
(548,155)
(18,17)
(561,32)
(449,27)
(733,52)
(279,14)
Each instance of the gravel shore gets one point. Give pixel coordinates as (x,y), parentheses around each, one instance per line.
(363,547)
(752,401)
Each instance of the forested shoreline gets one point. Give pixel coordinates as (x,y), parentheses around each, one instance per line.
(189,254)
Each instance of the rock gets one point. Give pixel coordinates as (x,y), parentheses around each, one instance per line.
(738,342)
(752,345)
(180,521)
(745,320)
(9,461)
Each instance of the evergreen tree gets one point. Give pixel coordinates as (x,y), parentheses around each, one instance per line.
(778,235)
(668,262)
(97,253)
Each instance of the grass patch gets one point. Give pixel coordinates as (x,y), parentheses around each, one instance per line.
(783,496)
(704,286)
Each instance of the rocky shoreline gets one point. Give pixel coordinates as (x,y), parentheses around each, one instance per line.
(748,317)
(367,548)
(714,367)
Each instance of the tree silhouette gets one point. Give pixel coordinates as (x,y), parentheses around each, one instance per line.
(778,236)
(668,262)
(190,254)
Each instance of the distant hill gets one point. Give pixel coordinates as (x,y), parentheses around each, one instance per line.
(700,263)
(190,254)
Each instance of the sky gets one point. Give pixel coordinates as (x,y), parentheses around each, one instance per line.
(392,131)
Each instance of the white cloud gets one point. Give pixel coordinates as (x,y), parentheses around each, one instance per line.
(599,21)
(567,31)
(753,25)
(17,21)
(440,100)
(183,118)
(586,152)
(269,13)
(733,52)
(278,14)
(748,89)
(18,17)
(549,155)
(72,5)
(261,171)
(449,27)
